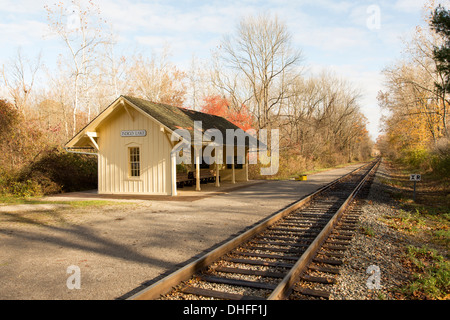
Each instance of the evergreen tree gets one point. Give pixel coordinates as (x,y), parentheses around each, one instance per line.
(440,23)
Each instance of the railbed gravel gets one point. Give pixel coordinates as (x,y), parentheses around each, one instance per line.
(383,247)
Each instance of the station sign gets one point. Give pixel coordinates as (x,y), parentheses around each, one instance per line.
(133,133)
(415,177)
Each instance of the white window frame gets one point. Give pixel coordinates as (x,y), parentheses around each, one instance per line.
(136,160)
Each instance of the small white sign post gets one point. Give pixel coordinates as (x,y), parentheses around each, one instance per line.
(415,178)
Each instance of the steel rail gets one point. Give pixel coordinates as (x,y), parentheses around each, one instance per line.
(284,288)
(166,284)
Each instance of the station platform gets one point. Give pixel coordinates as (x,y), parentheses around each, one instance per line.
(184,194)
(284,189)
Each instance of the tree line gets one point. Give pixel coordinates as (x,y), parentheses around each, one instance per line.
(255,78)
(416,97)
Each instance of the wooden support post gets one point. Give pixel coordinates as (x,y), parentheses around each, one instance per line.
(197,169)
(233,175)
(217,154)
(246,166)
(217,184)
(173,162)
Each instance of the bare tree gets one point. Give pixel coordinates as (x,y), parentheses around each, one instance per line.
(256,65)
(59,95)
(321,118)
(199,85)
(113,66)
(19,77)
(156,79)
(79,25)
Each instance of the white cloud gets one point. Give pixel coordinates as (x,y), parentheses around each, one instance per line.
(187,30)
(337,7)
(23,32)
(22,6)
(153,17)
(333,39)
(409,6)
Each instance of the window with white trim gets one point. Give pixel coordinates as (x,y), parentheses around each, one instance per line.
(134,162)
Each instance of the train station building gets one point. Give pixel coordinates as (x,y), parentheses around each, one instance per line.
(137,142)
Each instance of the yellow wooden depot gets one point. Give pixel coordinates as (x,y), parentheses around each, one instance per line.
(132,139)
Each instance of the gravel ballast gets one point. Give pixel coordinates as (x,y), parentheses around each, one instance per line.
(372,265)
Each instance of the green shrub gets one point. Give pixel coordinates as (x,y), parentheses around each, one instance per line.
(10,185)
(438,162)
(61,171)
(3,182)
(25,189)
(416,158)
(441,164)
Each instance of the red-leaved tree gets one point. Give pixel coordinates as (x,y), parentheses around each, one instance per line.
(219,106)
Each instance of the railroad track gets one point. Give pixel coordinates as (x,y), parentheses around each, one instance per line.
(294,254)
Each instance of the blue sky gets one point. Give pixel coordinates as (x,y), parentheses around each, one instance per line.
(337,35)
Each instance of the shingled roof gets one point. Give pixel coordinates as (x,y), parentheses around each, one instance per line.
(180,118)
